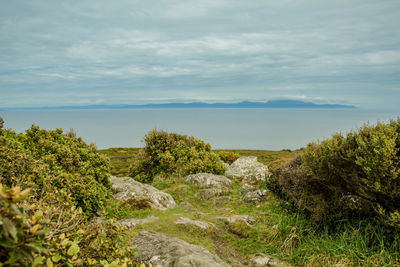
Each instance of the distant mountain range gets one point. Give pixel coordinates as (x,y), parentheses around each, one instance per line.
(244,104)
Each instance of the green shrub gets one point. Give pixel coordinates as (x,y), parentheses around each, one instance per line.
(60,168)
(344,176)
(228,156)
(171,153)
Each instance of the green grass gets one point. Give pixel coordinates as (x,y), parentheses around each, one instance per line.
(279,232)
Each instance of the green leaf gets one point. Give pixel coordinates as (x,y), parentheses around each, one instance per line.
(9,227)
(49,263)
(56,257)
(73,250)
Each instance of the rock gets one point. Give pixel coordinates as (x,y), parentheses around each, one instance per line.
(164,251)
(225,164)
(255,197)
(245,188)
(248,168)
(127,187)
(187,206)
(203,180)
(262,260)
(249,220)
(208,193)
(132,222)
(198,224)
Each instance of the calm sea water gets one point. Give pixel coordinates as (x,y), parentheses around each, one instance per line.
(223,128)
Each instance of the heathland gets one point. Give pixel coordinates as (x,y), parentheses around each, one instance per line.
(333,203)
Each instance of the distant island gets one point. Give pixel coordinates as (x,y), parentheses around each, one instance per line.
(244,104)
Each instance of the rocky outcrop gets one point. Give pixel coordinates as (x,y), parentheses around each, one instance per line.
(165,251)
(126,188)
(249,220)
(247,168)
(246,188)
(262,260)
(204,180)
(255,197)
(208,193)
(132,222)
(195,223)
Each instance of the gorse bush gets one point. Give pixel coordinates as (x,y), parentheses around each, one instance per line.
(170,153)
(347,175)
(58,167)
(228,156)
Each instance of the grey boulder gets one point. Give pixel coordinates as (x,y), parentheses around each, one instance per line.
(255,197)
(204,180)
(247,168)
(208,193)
(126,187)
(132,222)
(195,223)
(165,251)
(246,188)
(249,220)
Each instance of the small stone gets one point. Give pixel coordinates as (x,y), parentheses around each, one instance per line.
(204,180)
(262,260)
(255,197)
(199,224)
(245,188)
(132,222)
(249,220)
(208,193)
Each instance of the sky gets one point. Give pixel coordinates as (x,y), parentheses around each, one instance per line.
(61,53)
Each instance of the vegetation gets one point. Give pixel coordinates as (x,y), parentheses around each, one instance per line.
(356,174)
(51,184)
(174,154)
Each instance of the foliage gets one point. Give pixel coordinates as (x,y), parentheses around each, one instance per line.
(171,153)
(346,176)
(228,156)
(58,167)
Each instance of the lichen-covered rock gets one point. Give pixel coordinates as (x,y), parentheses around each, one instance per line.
(255,197)
(165,251)
(126,188)
(204,180)
(247,168)
(198,224)
(132,222)
(246,188)
(208,193)
(249,220)
(262,260)
(222,200)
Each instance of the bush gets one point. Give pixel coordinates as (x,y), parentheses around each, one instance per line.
(344,176)
(170,153)
(60,168)
(228,157)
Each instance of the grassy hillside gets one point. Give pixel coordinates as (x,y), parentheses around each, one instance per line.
(122,157)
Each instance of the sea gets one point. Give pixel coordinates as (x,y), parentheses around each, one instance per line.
(266,129)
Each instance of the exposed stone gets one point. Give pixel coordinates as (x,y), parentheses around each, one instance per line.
(164,251)
(132,222)
(248,168)
(262,260)
(249,220)
(126,188)
(199,224)
(204,180)
(255,197)
(225,164)
(208,193)
(245,188)
(187,206)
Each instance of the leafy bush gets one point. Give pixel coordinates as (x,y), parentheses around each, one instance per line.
(171,153)
(228,156)
(58,167)
(343,176)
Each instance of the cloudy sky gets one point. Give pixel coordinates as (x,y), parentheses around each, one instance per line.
(131,52)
